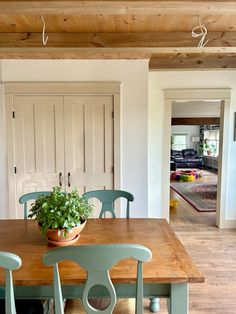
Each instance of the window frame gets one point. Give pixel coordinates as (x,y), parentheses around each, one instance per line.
(184,144)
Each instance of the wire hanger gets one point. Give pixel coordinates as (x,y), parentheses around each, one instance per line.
(198,31)
(44,37)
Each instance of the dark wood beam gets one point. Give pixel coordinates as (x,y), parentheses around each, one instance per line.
(195,121)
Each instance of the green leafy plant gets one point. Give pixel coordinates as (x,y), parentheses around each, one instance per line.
(209,148)
(60,210)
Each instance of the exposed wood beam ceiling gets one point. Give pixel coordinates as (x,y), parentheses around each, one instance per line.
(155,30)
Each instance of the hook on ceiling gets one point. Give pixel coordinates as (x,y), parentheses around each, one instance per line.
(198,31)
(44,37)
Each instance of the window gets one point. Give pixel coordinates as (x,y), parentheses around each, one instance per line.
(211,143)
(179,141)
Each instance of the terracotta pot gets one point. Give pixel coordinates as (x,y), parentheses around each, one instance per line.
(64,239)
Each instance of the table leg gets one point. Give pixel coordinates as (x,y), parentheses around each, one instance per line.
(179,299)
(154,305)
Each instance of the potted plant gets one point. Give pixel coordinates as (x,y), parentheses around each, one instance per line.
(209,148)
(61,216)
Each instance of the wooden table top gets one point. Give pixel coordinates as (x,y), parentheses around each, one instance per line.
(170,261)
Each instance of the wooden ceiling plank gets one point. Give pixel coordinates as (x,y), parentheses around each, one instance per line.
(193,62)
(10,23)
(217,40)
(142,51)
(74,53)
(115,7)
(109,53)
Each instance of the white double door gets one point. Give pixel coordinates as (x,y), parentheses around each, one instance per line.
(65,141)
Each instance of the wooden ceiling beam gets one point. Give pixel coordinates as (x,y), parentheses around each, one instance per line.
(115,7)
(74,53)
(104,53)
(196,121)
(188,61)
(217,40)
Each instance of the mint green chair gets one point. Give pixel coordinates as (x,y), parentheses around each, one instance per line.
(23,200)
(97,260)
(107,198)
(29,197)
(9,262)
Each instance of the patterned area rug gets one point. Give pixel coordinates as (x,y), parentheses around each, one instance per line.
(202,195)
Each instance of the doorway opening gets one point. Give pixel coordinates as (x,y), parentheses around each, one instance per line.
(222,98)
(195,141)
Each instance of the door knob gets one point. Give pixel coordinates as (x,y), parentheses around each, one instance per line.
(69,179)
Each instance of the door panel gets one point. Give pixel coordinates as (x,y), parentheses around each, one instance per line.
(39,144)
(89,142)
(55,134)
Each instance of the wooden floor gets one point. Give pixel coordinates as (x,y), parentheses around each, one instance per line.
(213,250)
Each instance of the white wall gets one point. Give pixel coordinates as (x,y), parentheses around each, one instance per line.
(158,81)
(133,74)
(190,130)
(195,109)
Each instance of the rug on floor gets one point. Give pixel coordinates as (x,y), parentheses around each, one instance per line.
(201,195)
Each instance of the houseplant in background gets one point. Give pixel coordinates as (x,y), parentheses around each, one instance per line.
(209,149)
(61,216)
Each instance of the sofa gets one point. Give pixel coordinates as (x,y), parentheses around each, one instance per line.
(186,158)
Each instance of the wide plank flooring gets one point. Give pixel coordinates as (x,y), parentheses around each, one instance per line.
(213,251)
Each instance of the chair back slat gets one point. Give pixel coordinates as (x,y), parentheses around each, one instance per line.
(107,255)
(107,198)
(29,197)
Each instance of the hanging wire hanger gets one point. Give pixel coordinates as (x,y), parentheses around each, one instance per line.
(44,37)
(198,31)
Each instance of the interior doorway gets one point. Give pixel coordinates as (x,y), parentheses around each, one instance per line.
(223,96)
(195,141)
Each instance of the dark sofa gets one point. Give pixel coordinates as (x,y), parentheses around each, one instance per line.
(186,158)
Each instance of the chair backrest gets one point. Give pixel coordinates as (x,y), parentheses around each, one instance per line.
(9,262)
(189,152)
(29,197)
(107,198)
(97,260)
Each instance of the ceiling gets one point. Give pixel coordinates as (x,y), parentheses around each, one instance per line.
(97,29)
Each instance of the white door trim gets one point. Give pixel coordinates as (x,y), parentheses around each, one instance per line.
(200,94)
(62,88)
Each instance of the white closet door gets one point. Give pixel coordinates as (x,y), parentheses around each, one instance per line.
(39,144)
(89,142)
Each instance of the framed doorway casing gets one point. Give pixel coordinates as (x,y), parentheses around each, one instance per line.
(224,95)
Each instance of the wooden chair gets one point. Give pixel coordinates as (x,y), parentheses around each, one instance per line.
(97,260)
(107,198)
(29,197)
(9,262)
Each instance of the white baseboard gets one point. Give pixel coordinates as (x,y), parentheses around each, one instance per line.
(228,223)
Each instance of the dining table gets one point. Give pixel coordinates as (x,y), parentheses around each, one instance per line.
(168,274)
